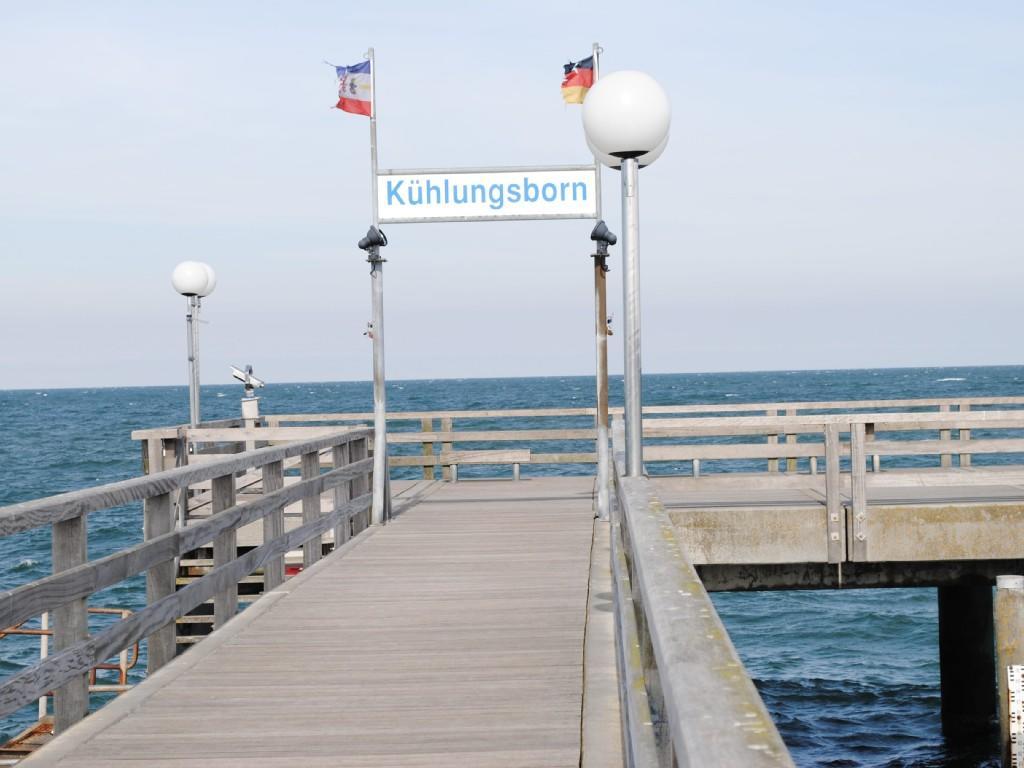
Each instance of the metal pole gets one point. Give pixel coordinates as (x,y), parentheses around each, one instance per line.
(381,481)
(373,138)
(192,324)
(380,453)
(601,329)
(596,52)
(631,300)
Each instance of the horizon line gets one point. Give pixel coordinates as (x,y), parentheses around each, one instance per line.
(369,382)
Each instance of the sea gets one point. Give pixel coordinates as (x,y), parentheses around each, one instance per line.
(851,677)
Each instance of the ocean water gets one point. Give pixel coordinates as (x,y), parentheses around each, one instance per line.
(851,677)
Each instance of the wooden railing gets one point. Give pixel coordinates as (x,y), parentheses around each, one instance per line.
(75,578)
(439,442)
(721,438)
(686,699)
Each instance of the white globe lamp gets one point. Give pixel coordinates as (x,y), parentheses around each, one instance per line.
(194,280)
(190,278)
(626,117)
(626,114)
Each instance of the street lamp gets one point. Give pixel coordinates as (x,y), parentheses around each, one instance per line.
(626,117)
(193,280)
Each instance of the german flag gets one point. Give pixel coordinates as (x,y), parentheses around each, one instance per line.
(579,77)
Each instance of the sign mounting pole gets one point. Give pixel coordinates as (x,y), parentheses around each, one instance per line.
(381,500)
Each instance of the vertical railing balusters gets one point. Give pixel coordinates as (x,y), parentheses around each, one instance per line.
(70,623)
(342,494)
(360,484)
(446,471)
(833,499)
(965,436)
(225,549)
(858,490)
(273,525)
(311,509)
(869,436)
(427,425)
(946,460)
(157,520)
(791,440)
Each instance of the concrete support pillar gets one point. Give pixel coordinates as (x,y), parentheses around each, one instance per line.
(1009,628)
(966,661)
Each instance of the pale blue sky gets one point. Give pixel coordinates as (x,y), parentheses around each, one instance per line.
(843,186)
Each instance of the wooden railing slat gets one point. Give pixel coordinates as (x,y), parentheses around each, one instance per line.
(225,549)
(833,500)
(311,508)
(39,512)
(158,520)
(342,493)
(70,624)
(273,523)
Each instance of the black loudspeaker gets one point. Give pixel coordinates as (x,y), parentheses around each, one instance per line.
(602,234)
(374,239)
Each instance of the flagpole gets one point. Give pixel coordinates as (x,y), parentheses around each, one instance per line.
(597,163)
(373,138)
(381,484)
(601,347)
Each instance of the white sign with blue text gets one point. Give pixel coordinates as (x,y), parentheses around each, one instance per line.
(481,194)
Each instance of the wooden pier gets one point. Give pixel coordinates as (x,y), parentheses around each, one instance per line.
(496,622)
(451,637)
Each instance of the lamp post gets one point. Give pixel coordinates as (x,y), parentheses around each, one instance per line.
(626,117)
(194,280)
(371,244)
(602,238)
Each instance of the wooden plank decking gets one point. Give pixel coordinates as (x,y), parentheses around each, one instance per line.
(451,637)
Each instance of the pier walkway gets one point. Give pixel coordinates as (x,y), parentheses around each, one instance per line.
(451,637)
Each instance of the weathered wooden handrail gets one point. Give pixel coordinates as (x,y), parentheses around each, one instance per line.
(74,578)
(871,424)
(887,422)
(782,424)
(52,509)
(447,460)
(704,707)
(653,409)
